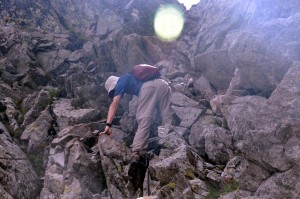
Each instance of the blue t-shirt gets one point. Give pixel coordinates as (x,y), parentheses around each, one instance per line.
(128,84)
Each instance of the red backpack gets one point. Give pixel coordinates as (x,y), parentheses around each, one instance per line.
(145,72)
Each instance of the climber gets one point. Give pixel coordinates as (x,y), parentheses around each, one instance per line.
(151,94)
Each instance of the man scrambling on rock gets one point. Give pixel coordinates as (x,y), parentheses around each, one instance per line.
(153,93)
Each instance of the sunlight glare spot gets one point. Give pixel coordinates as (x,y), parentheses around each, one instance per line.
(168,22)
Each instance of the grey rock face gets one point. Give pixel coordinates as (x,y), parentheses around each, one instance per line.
(114,156)
(72,171)
(273,134)
(37,132)
(63,51)
(67,115)
(217,67)
(176,173)
(288,179)
(249,175)
(187,115)
(19,180)
(178,99)
(203,88)
(41,101)
(241,113)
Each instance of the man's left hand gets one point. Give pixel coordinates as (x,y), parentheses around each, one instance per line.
(107,131)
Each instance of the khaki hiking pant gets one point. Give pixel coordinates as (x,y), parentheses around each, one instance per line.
(154,94)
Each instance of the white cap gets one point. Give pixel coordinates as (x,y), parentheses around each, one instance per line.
(111,83)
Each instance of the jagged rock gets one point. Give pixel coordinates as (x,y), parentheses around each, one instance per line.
(54,62)
(8,78)
(272,140)
(213,141)
(119,135)
(70,132)
(261,70)
(199,187)
(41,101)
(179,99)
(174,172)
(181,132)
(108,21)
(214,175)
(52,16)
(280,185)
(218,102)
(75,46)
(37,132)
(8,91)
(170,70)
(131,52)
(12,113)
(17,51)
(171,138)
(250,82)
(114,156)
(179,161)
(211,34)
(236,194)
(46,194)
(35,78)
(246,173)
(261,59)
(4,194)
(240,114)
(19,180)
(86,55)
(217,67)
(76,80)
(187,115)
(128,123)
(203,88)
(72,171)
(67,115)
(196,139)
(249,77)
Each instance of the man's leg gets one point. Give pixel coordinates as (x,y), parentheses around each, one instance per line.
(153,93)
(145,110)
(164,104)
(141,138)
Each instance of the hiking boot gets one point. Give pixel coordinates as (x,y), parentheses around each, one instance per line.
(135,157)
(137,170)
(134,165)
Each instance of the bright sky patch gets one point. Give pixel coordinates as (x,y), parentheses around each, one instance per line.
(188,3)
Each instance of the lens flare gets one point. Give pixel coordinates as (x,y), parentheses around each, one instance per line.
(168,22)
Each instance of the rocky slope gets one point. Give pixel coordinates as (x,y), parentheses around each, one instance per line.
(235,73)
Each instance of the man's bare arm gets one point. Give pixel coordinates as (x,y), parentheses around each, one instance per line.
(111,114)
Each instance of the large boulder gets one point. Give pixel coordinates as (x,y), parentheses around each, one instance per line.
(36,134)
(273,134)
(18,177)
(114,157)
(39,103)
(240,114)
(217,67)
(73,169)
(68,115)
(280,185)
(135,49)
(260,43)
(178,174)
(249,175)
(226,16)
